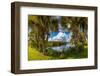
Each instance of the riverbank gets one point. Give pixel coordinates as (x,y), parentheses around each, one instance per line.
(34,54)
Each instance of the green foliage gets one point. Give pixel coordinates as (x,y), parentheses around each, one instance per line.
(40,27)
(54,25)
(38,37)
(79,40)
(71,53)
(51,52)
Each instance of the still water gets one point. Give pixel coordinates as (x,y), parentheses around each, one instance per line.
(61,48)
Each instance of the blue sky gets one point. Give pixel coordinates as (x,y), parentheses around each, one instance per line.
(52,34)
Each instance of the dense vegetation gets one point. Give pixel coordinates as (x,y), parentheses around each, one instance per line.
(40,27)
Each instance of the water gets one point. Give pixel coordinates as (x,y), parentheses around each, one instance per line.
(61,48)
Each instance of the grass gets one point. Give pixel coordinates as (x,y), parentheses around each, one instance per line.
(33,54)
(75,54)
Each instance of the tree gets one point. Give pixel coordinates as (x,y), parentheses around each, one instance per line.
(78,37)
(40,26)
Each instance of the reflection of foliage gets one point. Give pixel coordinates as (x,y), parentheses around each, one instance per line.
(70,53)
(55,43)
